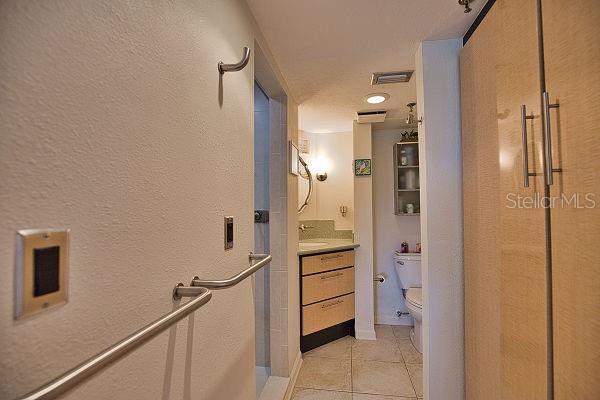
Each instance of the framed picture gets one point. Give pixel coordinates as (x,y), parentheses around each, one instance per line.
(293,158)
(362,166)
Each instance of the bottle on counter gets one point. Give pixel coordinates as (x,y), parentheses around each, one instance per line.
(404,247)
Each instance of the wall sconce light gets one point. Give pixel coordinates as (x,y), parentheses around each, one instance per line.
(321,176)
(321,165)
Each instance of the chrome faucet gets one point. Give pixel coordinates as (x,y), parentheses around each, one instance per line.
(303,227)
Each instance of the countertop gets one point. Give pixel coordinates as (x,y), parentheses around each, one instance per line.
(331,245)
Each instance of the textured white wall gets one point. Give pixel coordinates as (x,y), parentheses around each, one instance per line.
(335,149)
(115,124)
(389,230)
(363,235)
(440,157)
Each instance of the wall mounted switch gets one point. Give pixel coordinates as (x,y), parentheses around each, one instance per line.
(41,270)
(228,233)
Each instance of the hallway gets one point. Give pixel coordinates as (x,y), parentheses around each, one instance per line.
(349,369)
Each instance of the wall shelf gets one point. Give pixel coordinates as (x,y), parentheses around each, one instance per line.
(406,178)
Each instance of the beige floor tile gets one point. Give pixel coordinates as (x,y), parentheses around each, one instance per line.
(409,353)
(384,332)
(325,373)
(362,396)
(376,350)
(313,394)
(377,377)
(339,349)
(416,376)
(401,331)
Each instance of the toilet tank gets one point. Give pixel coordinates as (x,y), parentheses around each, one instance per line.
(408,269)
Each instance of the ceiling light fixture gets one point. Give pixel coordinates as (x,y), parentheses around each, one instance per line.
(376,98)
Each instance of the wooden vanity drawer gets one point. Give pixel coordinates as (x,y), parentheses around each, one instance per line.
(327,313)
(327,285)
(325,262)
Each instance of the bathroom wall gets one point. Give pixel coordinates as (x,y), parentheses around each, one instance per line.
(389,230)
(440,158)
(363,235)
(116,124)
(262,285)
(334,152)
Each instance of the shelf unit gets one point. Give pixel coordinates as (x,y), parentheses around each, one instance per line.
(406,177)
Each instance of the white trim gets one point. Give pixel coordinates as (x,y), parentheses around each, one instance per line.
(366,334)
(293,376)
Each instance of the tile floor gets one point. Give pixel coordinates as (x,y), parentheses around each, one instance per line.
(389,368)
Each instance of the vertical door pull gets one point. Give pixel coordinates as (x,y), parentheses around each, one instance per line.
(524,118)
(548,138)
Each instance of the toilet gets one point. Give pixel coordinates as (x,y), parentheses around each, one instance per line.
(408,269)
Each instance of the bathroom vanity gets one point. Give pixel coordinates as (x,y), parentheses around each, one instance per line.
(326,294)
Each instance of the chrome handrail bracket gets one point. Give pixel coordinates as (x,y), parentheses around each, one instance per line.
(234,280)
(237,66)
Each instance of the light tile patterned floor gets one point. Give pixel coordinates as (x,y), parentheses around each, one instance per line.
(389,368)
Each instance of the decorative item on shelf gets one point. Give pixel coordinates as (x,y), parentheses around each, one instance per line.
(343,210)
(465,3)
(418,247)
(403,158)
(410,136)
(410,208)
(404,247)
(410,119)
(362,167)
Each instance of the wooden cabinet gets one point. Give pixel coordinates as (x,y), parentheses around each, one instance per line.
(318,316)
(327,297)
(572,72)
(326,262)
(532,286)
(326,285)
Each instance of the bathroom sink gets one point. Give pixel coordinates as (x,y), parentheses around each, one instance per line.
(309,245)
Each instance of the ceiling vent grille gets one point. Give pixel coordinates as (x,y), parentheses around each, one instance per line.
(367,117)
(380,78)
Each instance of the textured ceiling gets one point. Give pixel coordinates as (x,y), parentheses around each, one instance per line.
(327,50)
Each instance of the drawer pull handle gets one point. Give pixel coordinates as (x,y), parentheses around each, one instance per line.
(332,304)
(323,277)
(331,257)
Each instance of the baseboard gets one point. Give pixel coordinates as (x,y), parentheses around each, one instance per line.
(293,376)
(393,320)
(365,335)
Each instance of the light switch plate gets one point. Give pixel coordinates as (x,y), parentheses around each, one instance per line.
(41,270)
(228,233)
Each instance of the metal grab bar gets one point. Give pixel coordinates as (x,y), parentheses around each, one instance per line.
(226,283)
(72,378)
(237,66)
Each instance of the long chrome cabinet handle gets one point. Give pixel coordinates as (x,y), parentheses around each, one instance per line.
(524,118)
(548,138)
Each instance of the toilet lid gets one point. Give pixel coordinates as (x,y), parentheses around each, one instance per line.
(415,297)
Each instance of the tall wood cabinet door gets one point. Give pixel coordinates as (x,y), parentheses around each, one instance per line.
(572,67)
(481,212)
(522,240)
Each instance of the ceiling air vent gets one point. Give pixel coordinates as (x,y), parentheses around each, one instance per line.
(367,117)
(379,78)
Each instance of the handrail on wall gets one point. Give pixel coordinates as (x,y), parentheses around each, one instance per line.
(70,379)
(198,289)
(234,280)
